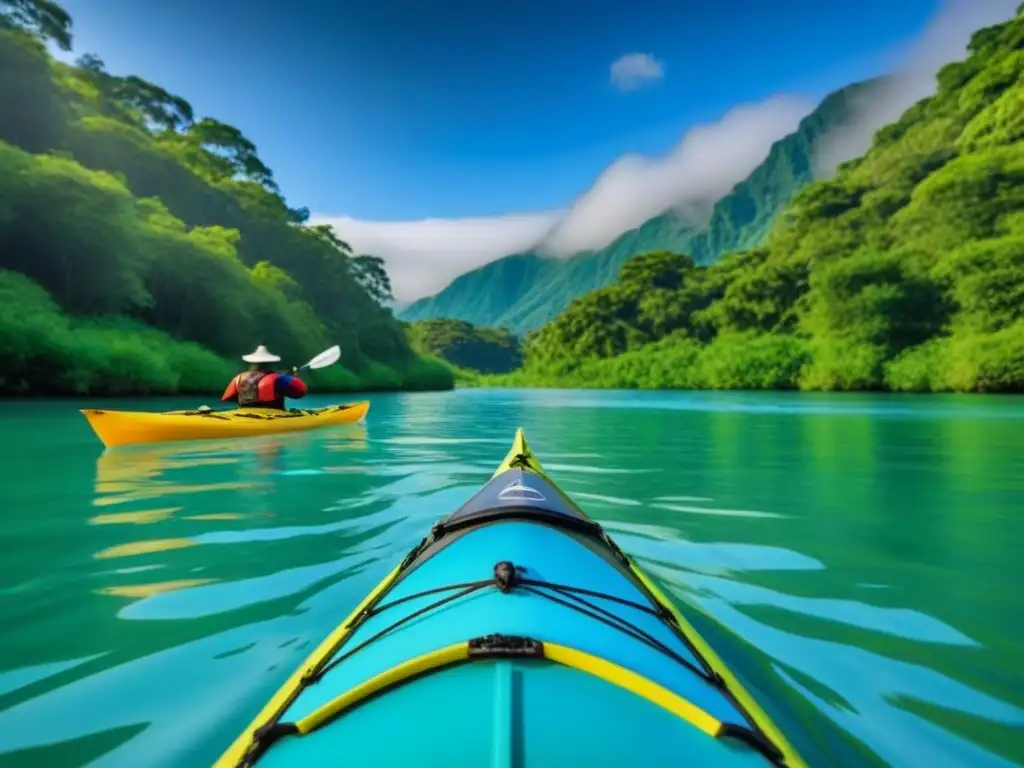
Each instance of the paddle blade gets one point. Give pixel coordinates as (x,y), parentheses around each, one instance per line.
(325,358)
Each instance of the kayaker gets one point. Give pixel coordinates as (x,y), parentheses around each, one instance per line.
(260,387)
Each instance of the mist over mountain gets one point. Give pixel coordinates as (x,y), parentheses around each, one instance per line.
(525,290)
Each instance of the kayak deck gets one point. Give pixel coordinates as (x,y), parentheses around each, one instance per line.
(515,634)
(507,713)
(115,428)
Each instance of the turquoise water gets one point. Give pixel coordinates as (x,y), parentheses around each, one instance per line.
(855,558)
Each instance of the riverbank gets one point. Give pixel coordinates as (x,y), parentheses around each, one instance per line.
(993,363)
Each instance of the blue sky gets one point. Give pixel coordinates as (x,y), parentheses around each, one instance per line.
(443,134)
(402,109)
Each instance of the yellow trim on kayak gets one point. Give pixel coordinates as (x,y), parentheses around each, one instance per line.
(559,654)
(742,695)
(634,683)
(281,699)
(520,448)
(442,657)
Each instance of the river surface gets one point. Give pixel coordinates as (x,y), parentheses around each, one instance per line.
(856,559)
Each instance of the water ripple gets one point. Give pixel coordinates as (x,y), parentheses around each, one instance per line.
(850,553)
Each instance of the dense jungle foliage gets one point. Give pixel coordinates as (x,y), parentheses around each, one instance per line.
(904,272)
(144,248)
(485,350)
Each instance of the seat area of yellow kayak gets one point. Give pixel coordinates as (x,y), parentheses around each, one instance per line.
(115,428)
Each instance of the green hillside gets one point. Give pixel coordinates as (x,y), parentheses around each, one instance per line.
(522,292)
(485,350)
(144,248)
(904,272)
(588,271)
(485,294)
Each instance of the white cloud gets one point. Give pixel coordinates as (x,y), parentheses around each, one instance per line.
(912,75)
(630,71)
(706,164)
(422,257)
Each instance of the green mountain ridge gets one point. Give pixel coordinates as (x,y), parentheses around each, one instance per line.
(522,292)
(903,271)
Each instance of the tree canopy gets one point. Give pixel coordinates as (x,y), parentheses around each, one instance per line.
(45,19)
(904,271)
(116,200)
(484,350)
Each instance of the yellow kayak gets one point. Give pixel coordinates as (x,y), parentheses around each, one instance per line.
(127,427)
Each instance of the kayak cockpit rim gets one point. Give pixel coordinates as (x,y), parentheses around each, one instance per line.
(506,647)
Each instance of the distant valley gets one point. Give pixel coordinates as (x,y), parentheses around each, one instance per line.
(523,291)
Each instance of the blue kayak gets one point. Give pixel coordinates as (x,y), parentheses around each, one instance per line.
(516,634)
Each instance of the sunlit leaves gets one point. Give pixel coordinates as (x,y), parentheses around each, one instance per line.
(905,270)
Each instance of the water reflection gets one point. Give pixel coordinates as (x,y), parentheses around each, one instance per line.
(214,483)
(156,588)
(144,547)
(366,530)
(141,517)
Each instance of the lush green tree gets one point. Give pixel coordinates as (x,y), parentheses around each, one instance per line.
(161,110)
(43,18)
(761,295)
(487,350)
(32,108)
(370,273)
(119,205)
(904,270)
(134,99)
(228,142)
(74,231)
(987,279)
(658,270)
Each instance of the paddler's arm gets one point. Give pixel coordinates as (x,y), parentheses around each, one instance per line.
(290,385)
(231,392)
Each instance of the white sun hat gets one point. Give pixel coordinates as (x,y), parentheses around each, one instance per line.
(261,355)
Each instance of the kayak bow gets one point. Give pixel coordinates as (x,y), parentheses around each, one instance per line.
(116,428)
(517,633)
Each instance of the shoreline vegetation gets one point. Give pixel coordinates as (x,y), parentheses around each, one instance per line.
(904,272)
(144,249)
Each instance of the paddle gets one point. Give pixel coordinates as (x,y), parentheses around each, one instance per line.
(327,357)
(324,359)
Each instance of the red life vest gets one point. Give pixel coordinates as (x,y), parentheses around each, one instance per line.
(257,389)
